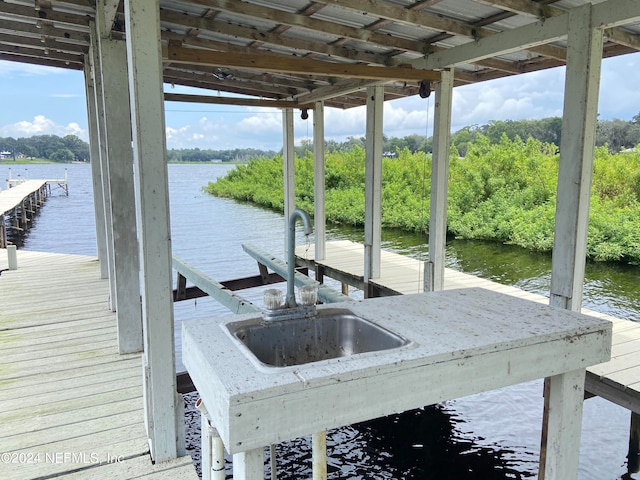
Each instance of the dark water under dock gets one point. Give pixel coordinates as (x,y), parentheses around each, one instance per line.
(490,436)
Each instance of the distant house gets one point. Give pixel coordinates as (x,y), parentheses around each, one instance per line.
(4,155)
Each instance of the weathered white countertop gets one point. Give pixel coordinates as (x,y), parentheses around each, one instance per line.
(462,342)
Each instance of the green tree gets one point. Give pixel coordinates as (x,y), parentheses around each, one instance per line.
(62,155)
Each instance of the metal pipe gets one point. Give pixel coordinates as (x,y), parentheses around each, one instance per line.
(291,258)
(212,448)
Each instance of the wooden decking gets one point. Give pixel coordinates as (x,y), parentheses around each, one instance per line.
(18,204)
(617,380)
(70,405)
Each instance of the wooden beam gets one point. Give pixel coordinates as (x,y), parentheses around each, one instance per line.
(120,181)
(522,38)
(343,87)
(299,66)
(109,11)
(261,37)
(607,14)
(540,10)
(582,86)
(214,289)
(245,102)
(439,183)
(296,20)
(325,294)
(319,207)
(288,169)
(29,14)
(373,186)
(162,412)
(96,182)
(406,16)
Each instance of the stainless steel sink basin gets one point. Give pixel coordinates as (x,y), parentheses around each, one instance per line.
(332,333)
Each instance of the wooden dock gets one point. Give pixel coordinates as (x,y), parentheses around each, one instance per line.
(70,405)
(19,204)
(617,380)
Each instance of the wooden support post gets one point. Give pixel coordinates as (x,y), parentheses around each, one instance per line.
(96,182)
(319,273)
(373,185)
(434,278)
(288,153)
(94,52)
(319,215)
(633,456)
(181,287)
(264,273)
(319,455)
(3,232)
(249,465)
(582,83)
(144,59)
(117,121)
(566,397)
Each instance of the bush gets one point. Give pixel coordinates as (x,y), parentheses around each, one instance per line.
(504,191)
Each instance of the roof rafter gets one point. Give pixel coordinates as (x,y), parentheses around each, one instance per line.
(299,66)
(542,11)
(295,20)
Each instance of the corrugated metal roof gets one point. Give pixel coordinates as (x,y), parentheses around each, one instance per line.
(390,33)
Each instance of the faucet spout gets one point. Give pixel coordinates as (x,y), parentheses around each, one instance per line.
(291,254)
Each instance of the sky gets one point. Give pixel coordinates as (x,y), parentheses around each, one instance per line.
(41,100)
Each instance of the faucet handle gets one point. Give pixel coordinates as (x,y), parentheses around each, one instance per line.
(308,294)
(272,298)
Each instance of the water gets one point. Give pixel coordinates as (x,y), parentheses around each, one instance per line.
(492,436)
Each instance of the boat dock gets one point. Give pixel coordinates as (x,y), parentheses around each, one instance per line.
(71,406)
(21,200)
(617,380)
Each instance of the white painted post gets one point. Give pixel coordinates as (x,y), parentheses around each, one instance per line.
(582,85)
(152,210)
(434,276)
(117,120)
(104,167)
(566,398)
(94,145)
(249,465)
(319,216)
(12,257)
(373,184)
(319,455)
(288,155)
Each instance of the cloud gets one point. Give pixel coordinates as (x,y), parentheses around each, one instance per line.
(42,126)
(534,95)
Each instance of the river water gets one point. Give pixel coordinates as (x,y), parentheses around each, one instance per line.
(492,436)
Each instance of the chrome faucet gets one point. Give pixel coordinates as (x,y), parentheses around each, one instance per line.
(274,309)
(290,300)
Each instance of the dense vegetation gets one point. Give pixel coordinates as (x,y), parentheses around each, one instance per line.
(616,134)
(503,191)
(51,147)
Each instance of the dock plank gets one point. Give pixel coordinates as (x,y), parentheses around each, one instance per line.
(67,398)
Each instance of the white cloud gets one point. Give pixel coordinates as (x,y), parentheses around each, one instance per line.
(42,126)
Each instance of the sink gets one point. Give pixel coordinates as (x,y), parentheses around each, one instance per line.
(332,333)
